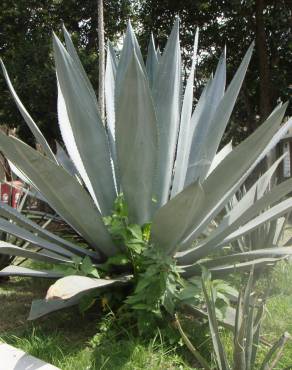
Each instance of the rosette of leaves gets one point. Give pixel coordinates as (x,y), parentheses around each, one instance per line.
(162,155)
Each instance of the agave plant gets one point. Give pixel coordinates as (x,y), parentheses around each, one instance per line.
(161,156)
(246,336)
(270,233)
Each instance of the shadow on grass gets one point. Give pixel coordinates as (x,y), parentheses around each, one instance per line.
(65,338)
(15,299)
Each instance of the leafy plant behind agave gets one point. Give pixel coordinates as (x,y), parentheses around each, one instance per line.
(161,155)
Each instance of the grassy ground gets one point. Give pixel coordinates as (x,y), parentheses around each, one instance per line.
(70,341)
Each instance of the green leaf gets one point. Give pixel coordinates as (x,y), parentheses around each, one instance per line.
(220,156)
(77,260)
(73,54)
(110,80)
(259,263)
(28,272)
(62,191)
(88,269)
(65,161)
(135,247)
(152,61)
(136,139)
(82,130)
(110,103)
(221,358)
(12,250)
(130,46)
(12,214)
(26,116)
(238,165)
(273,213)
(225,108)
(201,124)
(67,292)
(184,139)
(171,222)
(136,231)
(21,233)
(239,216)
(167,100)
(117,260)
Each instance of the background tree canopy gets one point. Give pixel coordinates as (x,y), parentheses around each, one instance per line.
(25,44)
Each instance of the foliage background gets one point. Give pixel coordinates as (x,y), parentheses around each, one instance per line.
(26,48)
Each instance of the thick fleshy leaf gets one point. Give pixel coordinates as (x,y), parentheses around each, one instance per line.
(245,266)
(42,307)
(73,54)
(264,181)
(136,139)
(33,192)
(202,155)
(65,161)
(232,268)
(221,357)
(225,108)
(220,156)
(62,191)
(229,260)
(21,233)
(70,286)
(172,220)
(130,45)
(70,143)
(244,326)
(167,101)
(27,272)
(26,116)
(183,146)
(12,250)
(152,61)
(201,123)
(243,211)
(219,188)
(233,221)
(12,214)
(270,214)
(110,81)
(83,132)
(277,231)
(74,287)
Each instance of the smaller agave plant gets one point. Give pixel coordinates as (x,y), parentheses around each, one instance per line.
(143,188)
(246,334)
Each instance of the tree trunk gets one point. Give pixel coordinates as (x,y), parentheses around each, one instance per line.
(264,71)
(263,62)
(101,59)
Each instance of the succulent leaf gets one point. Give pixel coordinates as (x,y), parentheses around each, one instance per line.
(86,143)
(137,142)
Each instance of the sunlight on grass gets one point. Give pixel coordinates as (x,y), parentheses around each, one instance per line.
(73,342)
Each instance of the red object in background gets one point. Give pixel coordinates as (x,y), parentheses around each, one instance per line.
(16,193)
(6,192)
(11,192)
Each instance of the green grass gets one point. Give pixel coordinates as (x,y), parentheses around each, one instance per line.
(72,341)
(96,341)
